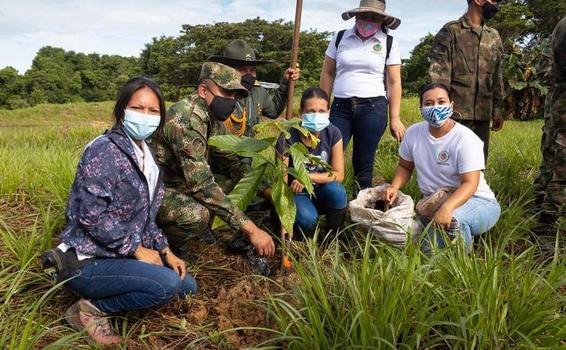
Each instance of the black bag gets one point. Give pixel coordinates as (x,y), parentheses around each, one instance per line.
(59,265)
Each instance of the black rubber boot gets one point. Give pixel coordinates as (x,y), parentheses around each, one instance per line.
(179,242)
(208,236)
(334,221)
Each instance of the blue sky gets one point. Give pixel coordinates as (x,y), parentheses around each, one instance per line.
(123,26)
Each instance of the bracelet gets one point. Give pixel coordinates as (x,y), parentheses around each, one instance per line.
(164,254)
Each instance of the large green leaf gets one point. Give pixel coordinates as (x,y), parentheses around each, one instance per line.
(241,145)
(244,192)
(246,189)
(284,202)
(299,152)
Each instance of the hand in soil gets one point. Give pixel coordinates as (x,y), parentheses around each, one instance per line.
(260,239)
(390,194)
(149,256)
(381,205)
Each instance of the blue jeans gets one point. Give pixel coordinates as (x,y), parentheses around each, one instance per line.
(331,195)
(474,217)
(365,119)
(116,285)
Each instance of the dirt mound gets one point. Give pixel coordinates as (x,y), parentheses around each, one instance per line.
(240,307)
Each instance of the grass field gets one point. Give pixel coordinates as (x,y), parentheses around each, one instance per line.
(506,295)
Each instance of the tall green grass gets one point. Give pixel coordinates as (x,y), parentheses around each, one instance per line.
(391,299)
(505,295)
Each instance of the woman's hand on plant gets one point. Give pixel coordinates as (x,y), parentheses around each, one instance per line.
(443,217)
(149,256)
(397,129)
(296,186)
(390,194)
(176,264)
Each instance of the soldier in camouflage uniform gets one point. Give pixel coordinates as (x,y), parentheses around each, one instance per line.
(466,55)
(192,196)
(550,184)
(248,111)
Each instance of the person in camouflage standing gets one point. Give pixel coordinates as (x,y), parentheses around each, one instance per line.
(241,56)
(550,183)
(466,56)
(248,111)
(192,197)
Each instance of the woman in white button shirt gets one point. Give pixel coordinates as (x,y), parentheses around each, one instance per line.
(362,68)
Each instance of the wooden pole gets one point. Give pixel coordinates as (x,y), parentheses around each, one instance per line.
(286,261)
(294,56)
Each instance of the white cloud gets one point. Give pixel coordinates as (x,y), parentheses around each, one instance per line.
(123,27)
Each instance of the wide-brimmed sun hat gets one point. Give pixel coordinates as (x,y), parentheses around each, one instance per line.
(376,7)
(238,53)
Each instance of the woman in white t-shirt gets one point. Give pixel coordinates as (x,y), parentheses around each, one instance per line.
(448,157)
(362,68)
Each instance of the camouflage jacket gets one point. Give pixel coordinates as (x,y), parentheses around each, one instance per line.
(182,153)
(259,103)
(559,53)
(469,61)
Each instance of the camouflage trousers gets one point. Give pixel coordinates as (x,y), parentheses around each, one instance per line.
(550,184)
(182,218)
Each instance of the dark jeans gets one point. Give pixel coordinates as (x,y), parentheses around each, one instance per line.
(365,119)
(480,128)
(328,196)
(116,285)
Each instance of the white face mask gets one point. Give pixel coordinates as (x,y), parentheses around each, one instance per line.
(140,126)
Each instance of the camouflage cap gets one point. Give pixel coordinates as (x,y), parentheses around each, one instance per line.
(224,76)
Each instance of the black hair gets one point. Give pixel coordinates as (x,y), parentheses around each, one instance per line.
(126,93)
(431,86)
(313,92)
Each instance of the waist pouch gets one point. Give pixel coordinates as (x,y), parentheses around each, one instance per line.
(59,265)
(428,206)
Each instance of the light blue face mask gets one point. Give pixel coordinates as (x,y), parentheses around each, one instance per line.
(437,115)
(140,126)
(315,122)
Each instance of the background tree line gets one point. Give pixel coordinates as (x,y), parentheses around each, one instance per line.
(59,76)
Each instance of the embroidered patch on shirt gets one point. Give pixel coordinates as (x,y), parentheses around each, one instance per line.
(443,157)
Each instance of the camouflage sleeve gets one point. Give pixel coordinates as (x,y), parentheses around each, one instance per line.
(273,107)
(498,85)
(190,149)
(440,69)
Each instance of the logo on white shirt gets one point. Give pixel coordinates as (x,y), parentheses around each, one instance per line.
(377,48)
(443,158)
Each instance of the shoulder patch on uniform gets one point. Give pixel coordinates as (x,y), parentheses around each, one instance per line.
(198,147)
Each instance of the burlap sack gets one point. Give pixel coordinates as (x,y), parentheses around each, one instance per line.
(393,226)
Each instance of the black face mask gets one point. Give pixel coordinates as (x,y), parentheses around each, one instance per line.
(221,107)
(248,81)
(489,10)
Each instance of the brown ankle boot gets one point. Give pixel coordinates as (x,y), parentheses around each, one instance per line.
(83,315)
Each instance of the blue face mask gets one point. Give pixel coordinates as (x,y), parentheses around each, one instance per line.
(437,115)
(315,122)
(140,126)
